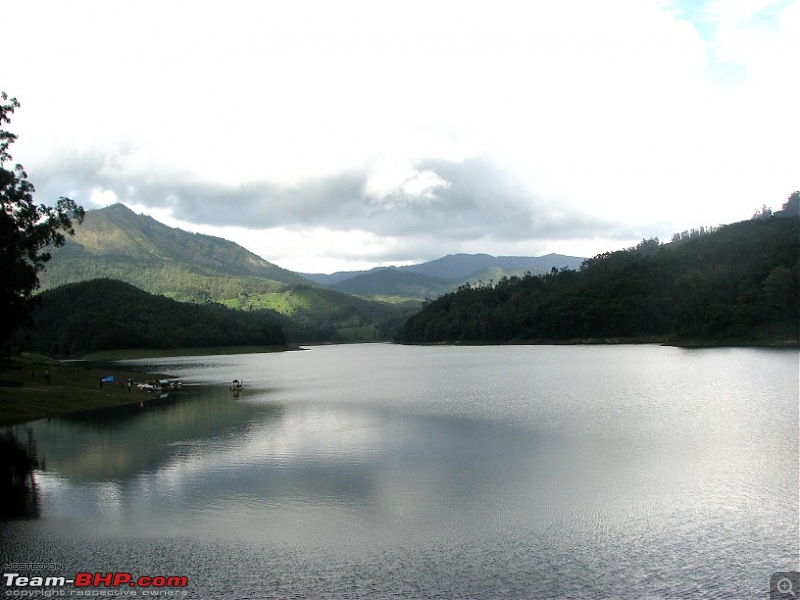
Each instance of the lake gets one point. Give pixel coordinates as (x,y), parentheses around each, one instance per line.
(387,471)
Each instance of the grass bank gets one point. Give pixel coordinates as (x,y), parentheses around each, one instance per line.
(33,386)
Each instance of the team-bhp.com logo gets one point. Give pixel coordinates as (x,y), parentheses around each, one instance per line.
(18,585)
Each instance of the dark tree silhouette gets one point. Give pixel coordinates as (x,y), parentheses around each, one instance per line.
(26,231)
(791,208)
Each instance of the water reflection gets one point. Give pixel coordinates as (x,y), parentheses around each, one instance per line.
(460,472)
(121,443)
(258,468)
(18,489)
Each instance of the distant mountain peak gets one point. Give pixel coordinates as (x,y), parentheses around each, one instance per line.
(117,207)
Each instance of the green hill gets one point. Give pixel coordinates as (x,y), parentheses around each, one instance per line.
(106,314)
(736,284)
(116,243)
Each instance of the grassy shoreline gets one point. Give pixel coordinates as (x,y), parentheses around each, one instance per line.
(34,386)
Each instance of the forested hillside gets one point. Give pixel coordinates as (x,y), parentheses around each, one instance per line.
(105,314)
(739,282)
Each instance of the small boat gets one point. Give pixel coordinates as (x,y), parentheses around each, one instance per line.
(237,385)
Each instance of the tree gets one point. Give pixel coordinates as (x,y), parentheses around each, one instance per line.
(791,208)
(765,212)
(27,230)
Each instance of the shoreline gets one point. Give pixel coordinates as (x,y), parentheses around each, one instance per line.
(642,340)
(34,386)
(135,354)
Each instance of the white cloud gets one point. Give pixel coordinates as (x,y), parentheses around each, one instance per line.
(295,116)
(102,197)
(392,183)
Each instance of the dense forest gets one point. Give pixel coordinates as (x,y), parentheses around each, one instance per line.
(106,314)
(738,282)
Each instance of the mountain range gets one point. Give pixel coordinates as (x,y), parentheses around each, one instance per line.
(431,279)
(116,243)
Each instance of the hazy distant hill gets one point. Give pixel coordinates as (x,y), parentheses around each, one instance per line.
(467,266)
(394,282)
(431,279)
(115,242)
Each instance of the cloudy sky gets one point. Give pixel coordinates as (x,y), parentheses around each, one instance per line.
(342,134)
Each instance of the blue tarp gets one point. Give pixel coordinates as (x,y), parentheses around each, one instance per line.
(109,379)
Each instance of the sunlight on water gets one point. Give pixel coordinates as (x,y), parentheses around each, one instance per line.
(444,471)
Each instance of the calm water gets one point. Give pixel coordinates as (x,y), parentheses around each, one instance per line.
(414,472)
